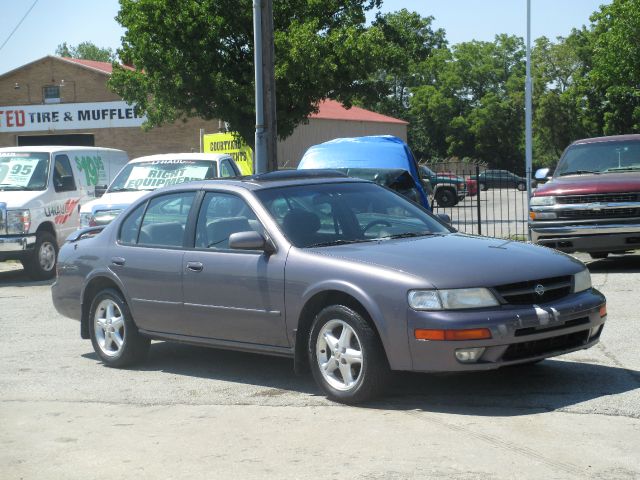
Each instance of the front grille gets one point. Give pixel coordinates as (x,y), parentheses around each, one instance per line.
(605,213)
(601,197)
(524,293)
(534,348)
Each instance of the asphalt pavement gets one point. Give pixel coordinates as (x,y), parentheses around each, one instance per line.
(191,412)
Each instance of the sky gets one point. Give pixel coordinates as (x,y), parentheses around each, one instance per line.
(52,22)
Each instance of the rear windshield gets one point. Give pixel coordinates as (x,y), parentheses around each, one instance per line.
(601,157)
(24,170)
(160,173)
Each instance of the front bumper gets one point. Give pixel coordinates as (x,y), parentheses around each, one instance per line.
(16,243)
(520,334)
(586,237)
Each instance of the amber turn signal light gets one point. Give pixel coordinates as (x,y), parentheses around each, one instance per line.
(452,335)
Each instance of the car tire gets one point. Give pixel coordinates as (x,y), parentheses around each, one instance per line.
(41,263)
(114,335)
(599,255)
(446,197)
(483,187)
(357,369)
(521,186)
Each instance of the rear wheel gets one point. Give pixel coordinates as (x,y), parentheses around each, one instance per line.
(446,197)
(483,187)
(41,264)
(521,186)
(346,356)
(114,336)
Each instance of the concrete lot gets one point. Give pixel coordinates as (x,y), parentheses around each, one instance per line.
(197,413)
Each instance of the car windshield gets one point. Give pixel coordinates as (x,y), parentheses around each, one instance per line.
(160,173)
(23,170)
(601,157)
(340,213)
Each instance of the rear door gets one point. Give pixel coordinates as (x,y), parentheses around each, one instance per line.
(148,259)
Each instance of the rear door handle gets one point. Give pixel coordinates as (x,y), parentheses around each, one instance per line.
(119,261)
(194,266)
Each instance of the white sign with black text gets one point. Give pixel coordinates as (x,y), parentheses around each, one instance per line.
(68,116)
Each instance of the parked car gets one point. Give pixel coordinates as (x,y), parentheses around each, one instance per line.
(500,179)
(375,153)
(592,203)
(148,173)
(345,277)
(41,191)
(448,189)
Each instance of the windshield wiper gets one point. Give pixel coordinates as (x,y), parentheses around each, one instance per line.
(411,235)
(341,242)
(579,172)
(622,169)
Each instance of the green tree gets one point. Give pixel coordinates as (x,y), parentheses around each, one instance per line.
(86,51)
(615,74)
(195,58)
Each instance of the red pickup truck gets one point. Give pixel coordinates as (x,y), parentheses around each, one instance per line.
(592,203)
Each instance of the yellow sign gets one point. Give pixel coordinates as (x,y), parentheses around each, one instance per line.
(232,144)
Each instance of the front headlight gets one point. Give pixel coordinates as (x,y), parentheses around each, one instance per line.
(18,222)
(542,201)
(87,220)
(454,299)
(582,281)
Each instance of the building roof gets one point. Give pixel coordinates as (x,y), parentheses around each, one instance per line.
(332,110)
(104,67)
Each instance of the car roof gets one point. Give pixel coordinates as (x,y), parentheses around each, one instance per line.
(181,156)
(281,178)
(55,148)
(611,138)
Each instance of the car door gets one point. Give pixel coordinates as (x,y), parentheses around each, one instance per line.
(147,258)
(231,294)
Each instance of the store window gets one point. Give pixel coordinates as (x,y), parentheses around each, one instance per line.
(51,94)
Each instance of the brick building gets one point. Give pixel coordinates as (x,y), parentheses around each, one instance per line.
(66,101)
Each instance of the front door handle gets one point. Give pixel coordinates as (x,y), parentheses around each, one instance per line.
(119,261)
(194,266)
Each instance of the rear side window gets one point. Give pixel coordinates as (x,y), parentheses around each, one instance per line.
(164,221)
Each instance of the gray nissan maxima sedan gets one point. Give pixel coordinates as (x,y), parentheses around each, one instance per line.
(346,277)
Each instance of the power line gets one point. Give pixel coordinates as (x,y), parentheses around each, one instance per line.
(18,25)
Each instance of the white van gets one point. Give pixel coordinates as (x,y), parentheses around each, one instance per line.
(143,174)
(41,192)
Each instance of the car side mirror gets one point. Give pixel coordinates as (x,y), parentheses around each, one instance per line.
(99,190)
(444,218)
(542,174)
(251,240)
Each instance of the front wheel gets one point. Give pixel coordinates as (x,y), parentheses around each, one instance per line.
(446,197)
(483,187)
(521,186)
(114,336)
(346,356)
(41,264)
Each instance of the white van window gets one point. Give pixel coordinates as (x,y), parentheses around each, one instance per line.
(63,180)
(160,173)
(23,170)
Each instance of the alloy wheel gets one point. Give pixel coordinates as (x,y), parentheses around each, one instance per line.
(339,355)
(109,327)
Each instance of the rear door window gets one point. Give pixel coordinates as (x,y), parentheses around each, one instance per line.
(165,220)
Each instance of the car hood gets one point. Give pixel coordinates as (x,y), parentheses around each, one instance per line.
(458,260)
(113,200)
(23,199)
(591,184)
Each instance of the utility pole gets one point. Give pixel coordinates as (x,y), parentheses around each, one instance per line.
(266,125)
(528,114)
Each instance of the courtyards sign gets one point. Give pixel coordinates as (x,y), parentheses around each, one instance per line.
(69,116)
